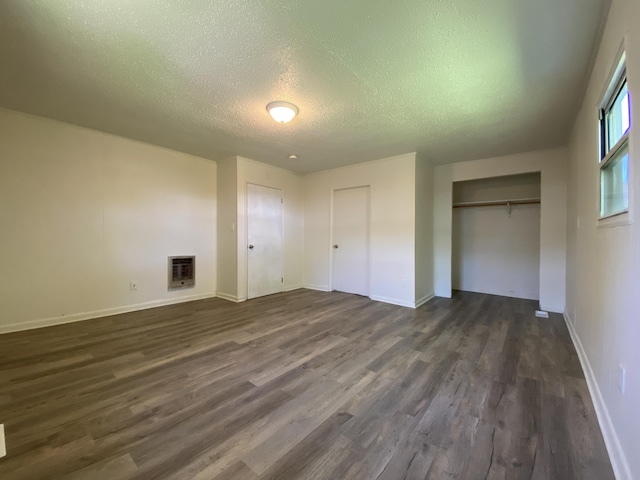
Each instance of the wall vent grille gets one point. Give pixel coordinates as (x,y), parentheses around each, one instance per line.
(182,272)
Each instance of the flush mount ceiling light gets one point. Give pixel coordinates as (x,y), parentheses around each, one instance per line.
(293,157)
(282,112)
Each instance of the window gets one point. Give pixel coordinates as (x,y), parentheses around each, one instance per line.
(615,119)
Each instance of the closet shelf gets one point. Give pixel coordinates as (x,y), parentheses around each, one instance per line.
(492,203)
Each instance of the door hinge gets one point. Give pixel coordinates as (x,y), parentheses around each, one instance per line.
(282,201)
(281,279)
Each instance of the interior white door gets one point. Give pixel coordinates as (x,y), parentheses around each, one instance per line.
(264,241)
(350,236)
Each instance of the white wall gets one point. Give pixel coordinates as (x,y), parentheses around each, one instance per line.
(227,273)
(392,225)
(84,213)
(424,230)
(603,271)
(506,187)
(291,184)
(495,253)
(552,165)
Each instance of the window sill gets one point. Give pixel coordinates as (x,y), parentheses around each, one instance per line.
(621,219)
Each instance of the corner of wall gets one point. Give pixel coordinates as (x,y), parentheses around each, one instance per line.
(423,218)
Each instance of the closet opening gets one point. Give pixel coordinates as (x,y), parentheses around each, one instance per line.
(496,236)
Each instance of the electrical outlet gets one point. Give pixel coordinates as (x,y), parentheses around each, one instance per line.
(622,378)
(3,445)
(133,286)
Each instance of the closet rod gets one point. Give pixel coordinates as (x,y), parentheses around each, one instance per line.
(523,201)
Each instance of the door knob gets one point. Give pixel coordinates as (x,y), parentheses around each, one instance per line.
(335,246)
(250,247)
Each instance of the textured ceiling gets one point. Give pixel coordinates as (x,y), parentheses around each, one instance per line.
(452,79)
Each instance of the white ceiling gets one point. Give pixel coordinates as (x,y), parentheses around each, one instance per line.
(453,79)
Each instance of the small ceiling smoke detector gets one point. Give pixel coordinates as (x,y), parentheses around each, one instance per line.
(282,112)
(293,157)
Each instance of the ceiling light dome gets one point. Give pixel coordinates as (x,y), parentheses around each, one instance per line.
(282,112)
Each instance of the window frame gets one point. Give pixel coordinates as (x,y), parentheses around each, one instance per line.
(617,80)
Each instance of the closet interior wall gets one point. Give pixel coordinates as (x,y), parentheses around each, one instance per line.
(496,236)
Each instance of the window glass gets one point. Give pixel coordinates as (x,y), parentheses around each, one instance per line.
(618,117)
(614,184)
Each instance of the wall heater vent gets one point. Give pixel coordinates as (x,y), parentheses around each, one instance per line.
(182,272)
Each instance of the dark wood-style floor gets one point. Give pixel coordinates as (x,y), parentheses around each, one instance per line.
(301,385)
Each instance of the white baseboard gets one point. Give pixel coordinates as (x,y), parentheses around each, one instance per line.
(552,309)
(392,301)
(616,454)
(498,292)
(320,288)
(425,299)
(443,293)
(293,287)
(78,317)
(3,444)
(231,298)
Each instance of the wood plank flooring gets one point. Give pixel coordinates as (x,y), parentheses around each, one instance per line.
(301,385)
